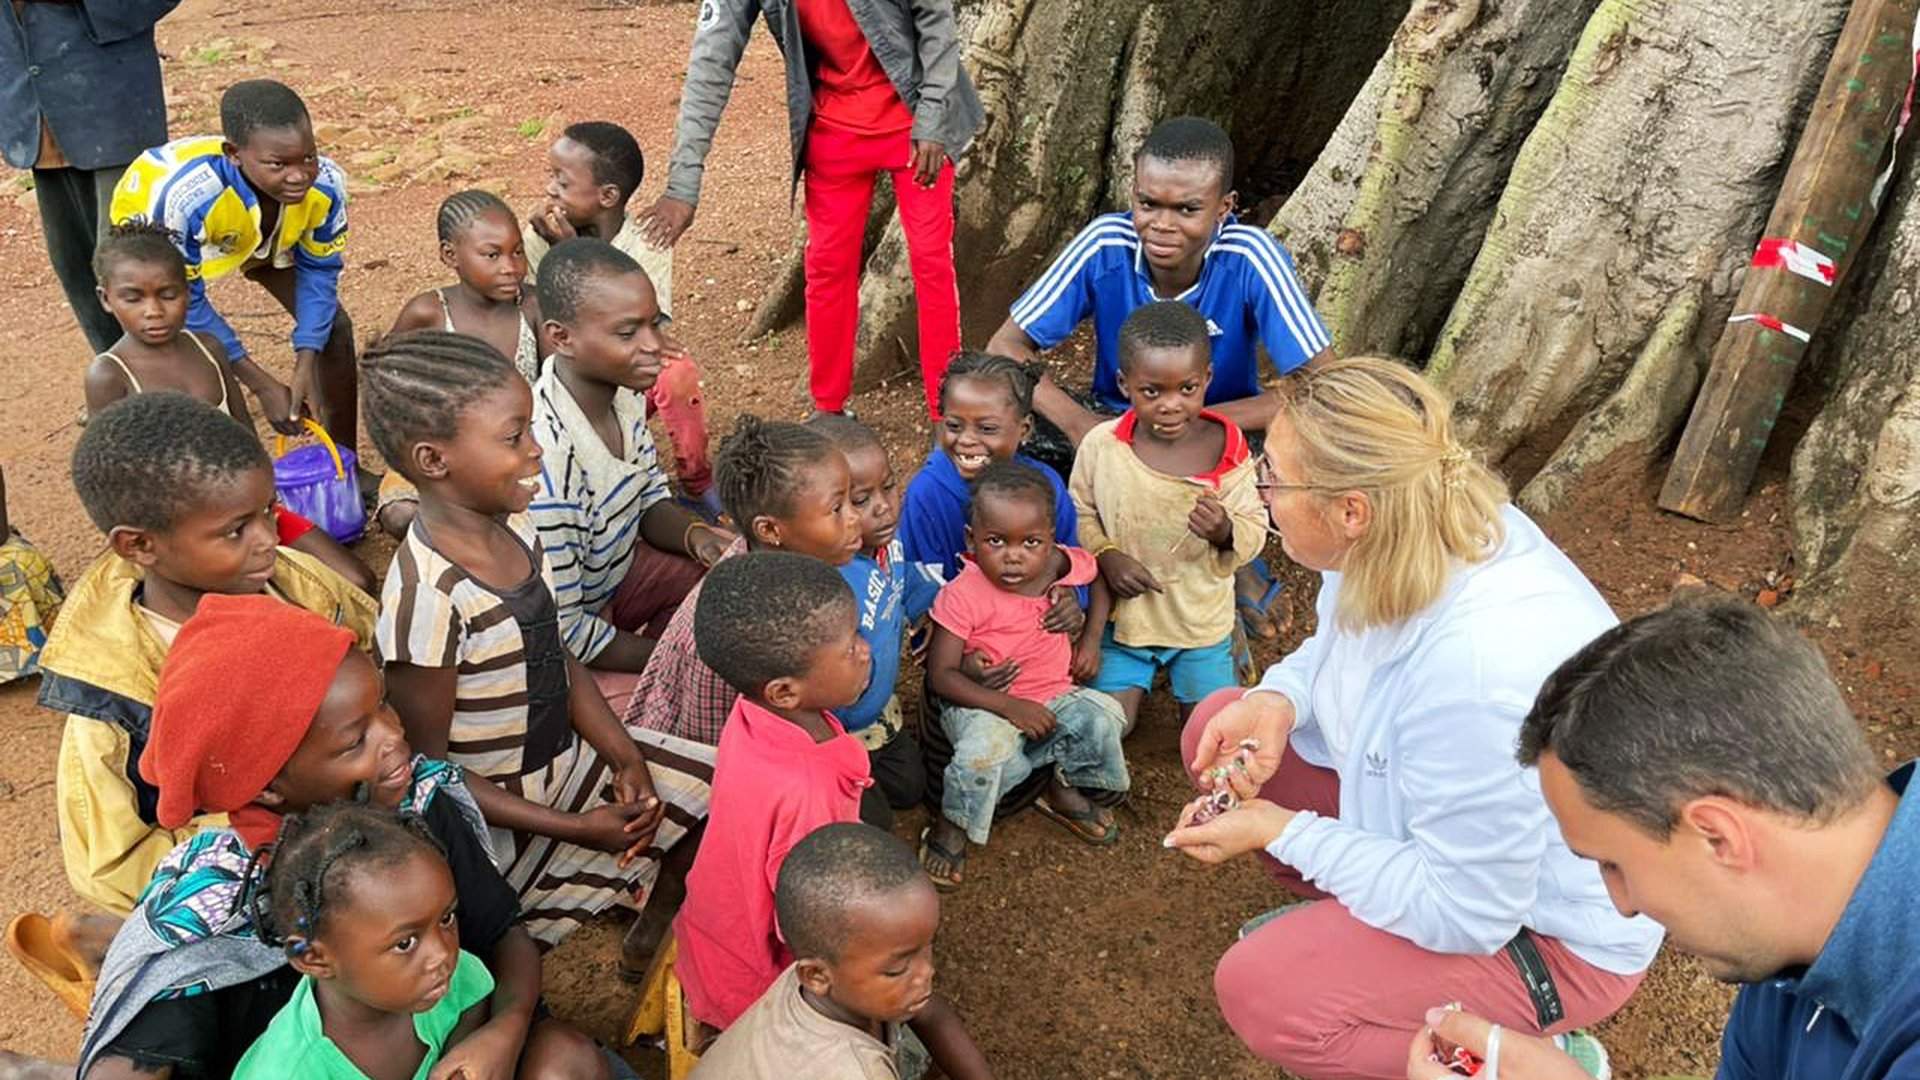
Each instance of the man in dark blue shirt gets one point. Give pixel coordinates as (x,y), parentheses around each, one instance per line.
(1703,756)
(80,97)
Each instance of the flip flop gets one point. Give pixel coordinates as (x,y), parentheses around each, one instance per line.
(1085,825)
(1261,609)
(955,859)
(31,940)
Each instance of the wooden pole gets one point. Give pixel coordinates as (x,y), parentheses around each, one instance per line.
(1820,220)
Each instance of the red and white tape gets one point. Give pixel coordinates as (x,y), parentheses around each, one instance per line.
(1786,253)
(1774,324)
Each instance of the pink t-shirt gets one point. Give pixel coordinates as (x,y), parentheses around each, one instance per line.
(1003,625)
(772,785)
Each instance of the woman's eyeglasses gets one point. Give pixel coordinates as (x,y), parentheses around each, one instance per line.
(1267,482)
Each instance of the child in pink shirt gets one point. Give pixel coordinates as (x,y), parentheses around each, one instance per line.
(782,629)
(994,607)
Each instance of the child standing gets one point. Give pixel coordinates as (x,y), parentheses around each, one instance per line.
(363,903)
(787,489)
(1169,508)
(871,88)
(143,285)
(624,553)
(859,918)
(185,497)
(593,169)
(470,635)
(1040,721)
(30,597)
(261,200)
(879,579)
(781,629)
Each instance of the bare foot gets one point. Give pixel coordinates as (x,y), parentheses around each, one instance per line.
(86,937)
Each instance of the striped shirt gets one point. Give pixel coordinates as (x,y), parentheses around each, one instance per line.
(589,507)
(433,614)
(1246,290)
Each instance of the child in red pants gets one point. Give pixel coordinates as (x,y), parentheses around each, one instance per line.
(872,86)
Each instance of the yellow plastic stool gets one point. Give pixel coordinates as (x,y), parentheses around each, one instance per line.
(662,1011)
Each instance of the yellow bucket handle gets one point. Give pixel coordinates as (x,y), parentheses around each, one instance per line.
(314,429)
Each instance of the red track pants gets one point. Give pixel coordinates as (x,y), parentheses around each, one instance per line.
(840,167)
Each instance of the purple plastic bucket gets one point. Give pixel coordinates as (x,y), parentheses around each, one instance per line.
(310,486)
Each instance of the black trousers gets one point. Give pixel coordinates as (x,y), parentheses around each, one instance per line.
(73,214)
(899,780)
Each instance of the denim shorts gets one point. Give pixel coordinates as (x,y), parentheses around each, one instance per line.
(1194,673)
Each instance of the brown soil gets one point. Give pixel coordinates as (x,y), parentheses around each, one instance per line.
(1066,962)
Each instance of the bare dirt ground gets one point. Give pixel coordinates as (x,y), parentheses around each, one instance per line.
(1067,962)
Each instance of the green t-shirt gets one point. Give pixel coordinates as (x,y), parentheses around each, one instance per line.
(295,1048)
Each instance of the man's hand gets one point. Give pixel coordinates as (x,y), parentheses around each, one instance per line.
(305,388)
(1034,720)
(1514,1057)
(928,159)
(551,223)
(1127,576)
(1210,521)
(276,400)
(664,221)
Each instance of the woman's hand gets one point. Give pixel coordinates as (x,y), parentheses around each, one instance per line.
(633,784)
(1517,1057)
(1250,826)
(1264,716)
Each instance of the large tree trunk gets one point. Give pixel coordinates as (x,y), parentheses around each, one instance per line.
(1582,330)
(1856,472)
(1070,88)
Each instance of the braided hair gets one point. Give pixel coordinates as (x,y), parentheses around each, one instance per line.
(414,386)
(316,857)
(462,208)
(761,467)
(141,241)
(1018,378)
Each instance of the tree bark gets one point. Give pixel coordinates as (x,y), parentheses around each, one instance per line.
(1623,230)
(1855,483)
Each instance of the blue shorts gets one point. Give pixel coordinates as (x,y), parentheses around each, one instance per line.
(1193,673)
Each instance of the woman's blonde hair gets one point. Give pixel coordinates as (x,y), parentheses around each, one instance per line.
(1370,425)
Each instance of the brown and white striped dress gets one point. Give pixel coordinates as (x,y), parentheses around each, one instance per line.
(511,725)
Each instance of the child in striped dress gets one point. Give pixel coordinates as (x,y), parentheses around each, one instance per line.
(470,636)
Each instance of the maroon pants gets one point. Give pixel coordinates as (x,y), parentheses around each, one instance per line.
(1325,996)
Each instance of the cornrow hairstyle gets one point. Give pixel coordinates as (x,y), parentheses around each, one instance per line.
(1018,378)
(570,267)
(832,873)
(315,860)
(614,155)
(1191,138)
(1163,324)
(414,386)
(253,104)
(763,615)
(463,208)
(145,460)
(139,241)
(761,467)
(847,434)
(1011,480)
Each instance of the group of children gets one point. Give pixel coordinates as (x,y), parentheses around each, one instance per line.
(342,831)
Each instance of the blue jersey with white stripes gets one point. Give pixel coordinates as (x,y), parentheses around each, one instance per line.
(1247,291)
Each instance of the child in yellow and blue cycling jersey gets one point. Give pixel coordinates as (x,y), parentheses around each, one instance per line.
(258,198)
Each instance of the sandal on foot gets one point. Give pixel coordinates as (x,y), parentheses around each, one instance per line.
(956,860)
(1085,825)
(1256,616)
(31,939)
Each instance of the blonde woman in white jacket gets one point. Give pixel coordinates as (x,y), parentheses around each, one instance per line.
(1384,785)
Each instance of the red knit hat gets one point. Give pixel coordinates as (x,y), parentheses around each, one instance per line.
(238,691)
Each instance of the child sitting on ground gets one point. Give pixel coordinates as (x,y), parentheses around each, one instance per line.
(469,633)
(185,497)
(593,169)
(30,597)
(986,408)
(1168,506)
(1042,720)
(879,579)
(782,629)
(266,710)
(623,553)
(143,285)
(786,488)
(859,918)
(363,903)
